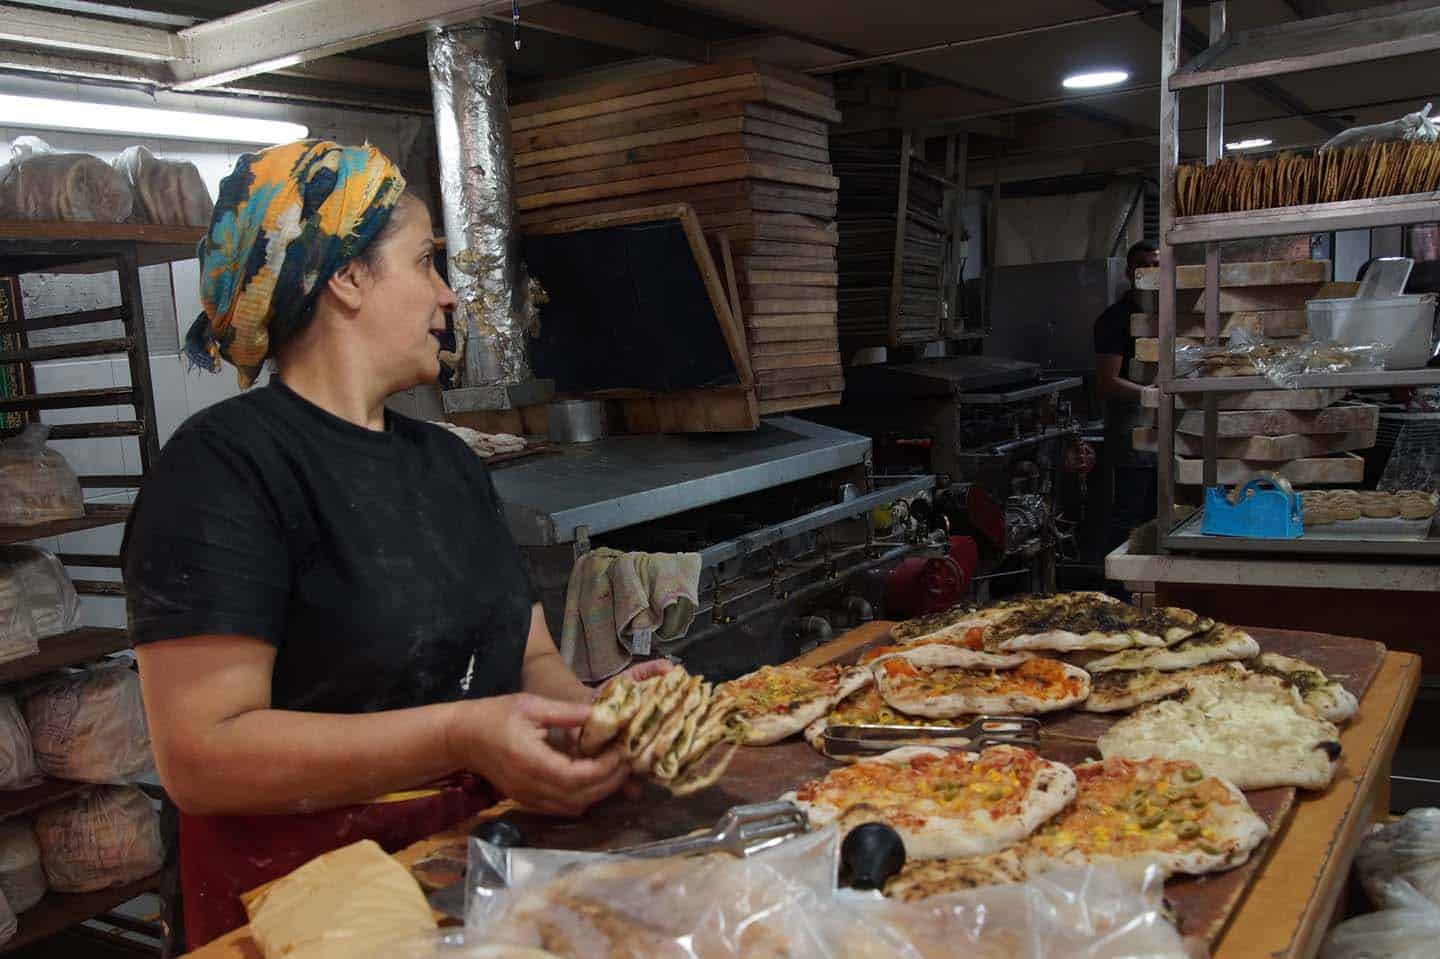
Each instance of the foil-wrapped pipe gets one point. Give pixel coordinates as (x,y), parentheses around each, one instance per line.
(472,130)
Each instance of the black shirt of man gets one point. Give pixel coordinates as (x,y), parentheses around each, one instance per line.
(376,563)
(1112,331)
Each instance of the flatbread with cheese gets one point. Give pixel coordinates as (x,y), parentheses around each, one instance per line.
(1219,644)
(923,878)
(1163,811)
(943,681)
(866,708)
(943,804)
(1119,690)
(779,701)
(1252,735)
(1321,693)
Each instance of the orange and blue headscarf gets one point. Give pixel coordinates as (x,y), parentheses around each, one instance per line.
(286,220)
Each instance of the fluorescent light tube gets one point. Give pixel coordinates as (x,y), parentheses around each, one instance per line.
(143,121)
(1098,78)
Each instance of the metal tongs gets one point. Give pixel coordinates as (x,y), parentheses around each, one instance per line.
(984,732)
(742,831)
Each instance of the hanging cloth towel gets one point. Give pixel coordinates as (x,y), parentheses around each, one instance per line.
(621,605)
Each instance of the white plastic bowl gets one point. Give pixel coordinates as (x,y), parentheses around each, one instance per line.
(1406,323)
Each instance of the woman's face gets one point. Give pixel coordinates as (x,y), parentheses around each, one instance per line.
(406,303)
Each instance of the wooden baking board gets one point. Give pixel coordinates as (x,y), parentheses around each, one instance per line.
(1340,469)
(1242,298)
(1255,273)
(1265,449)
(1272,323)
(1307,399)
(1344,418)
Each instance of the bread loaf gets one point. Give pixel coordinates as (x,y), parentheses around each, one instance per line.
(101,838)
(90,727)
(22,878)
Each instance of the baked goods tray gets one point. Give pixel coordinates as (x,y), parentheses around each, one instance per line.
(1392,530)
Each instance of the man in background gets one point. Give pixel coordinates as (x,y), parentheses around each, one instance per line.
(1127,476)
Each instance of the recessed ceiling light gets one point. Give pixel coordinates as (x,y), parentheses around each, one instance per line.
(144,121)
(1253,143)
(1098,78)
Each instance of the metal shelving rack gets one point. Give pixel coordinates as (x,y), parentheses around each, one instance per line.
(1396,29)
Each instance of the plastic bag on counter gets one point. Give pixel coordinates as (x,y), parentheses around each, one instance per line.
(101,838)
(89,726)
(36,484)
(53,603)
(1415,127)
(1285,367)
(1408,931)
(40,184)
(22,878)
(1402,858)
(9,925)
(18,767)
(1414,461)
(166,191)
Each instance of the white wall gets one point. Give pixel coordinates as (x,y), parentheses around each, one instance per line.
(170,293)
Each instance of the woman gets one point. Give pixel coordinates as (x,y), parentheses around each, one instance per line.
(327,606)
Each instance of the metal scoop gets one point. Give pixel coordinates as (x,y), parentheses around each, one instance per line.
(984,732)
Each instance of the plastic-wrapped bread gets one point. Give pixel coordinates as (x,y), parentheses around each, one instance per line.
(39,184)
(18,766)
(9,925)
(37,485)
(22,878)
(90,727)
(101,838)
(40,577)
(171,192)
(17,627)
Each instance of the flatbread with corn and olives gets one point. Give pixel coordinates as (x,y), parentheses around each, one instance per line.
(778,701)
(866,708)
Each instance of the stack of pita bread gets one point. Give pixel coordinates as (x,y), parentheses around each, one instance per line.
(674,728)
(39,184)
(169,192)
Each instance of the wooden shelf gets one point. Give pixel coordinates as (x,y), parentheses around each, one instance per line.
(20,801)
(1315,43)
(68,649)
(96,515)
(1309,218)
(60,910)
(1378,379)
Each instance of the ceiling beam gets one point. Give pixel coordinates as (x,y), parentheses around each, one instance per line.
(64,31)
(291,32)
(611,31)
(355,72)
(70,66)
(1305,9)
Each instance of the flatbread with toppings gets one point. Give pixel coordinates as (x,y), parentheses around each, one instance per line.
(779,701)
(659,695)
(921,879)
(1250,734)
(614,706)
(943,804)
(1219,644)
(1119,690)
(943,681)
(958,623)
(866,708)
(1163,811)
(695,693)
(1086,623)
(1321,693)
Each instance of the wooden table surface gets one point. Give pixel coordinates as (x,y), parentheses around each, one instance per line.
(1293,899)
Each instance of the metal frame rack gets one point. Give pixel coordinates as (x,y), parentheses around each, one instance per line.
(1396,29)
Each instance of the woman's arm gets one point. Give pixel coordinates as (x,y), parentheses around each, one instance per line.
(221,749)
(545,671)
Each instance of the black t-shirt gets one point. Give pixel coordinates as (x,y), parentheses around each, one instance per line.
(1112,331)
(376,563)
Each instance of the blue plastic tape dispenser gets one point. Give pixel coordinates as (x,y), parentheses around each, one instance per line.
(1264,508)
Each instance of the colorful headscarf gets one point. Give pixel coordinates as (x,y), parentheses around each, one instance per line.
(286,219)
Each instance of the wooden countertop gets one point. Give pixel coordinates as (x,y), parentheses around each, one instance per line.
(1294,899)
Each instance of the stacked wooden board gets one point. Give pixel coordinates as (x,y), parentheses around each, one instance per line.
(746,146)
(892,245)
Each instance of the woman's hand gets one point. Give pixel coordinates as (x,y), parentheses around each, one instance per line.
(651,667)
(504,739)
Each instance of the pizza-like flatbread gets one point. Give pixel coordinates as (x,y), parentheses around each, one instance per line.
(866,708)
(1251,735)
(779,701)
(943,804)
(1163,811)
(1119,690)
(943,681)
(967,623)
(1321,693)
(1087,623)
(921,879)
(1218,645)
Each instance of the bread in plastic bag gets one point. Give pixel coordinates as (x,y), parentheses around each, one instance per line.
(9,925)
(18,766)
(1402,858)
(40,184)
(36,484)
(169,192)
(89,726)
(1409,931)
(17,626)
(53,603)
(101,838)
(22,878)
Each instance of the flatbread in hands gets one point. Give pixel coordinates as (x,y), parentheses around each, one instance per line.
(1321,693)
(1168,812)
(695,693)
(866,708)
(779,701)
(1119,690)
(1219,644)
(1250,733)
(943,804)
(940,682)
(659,695)
(614,707)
